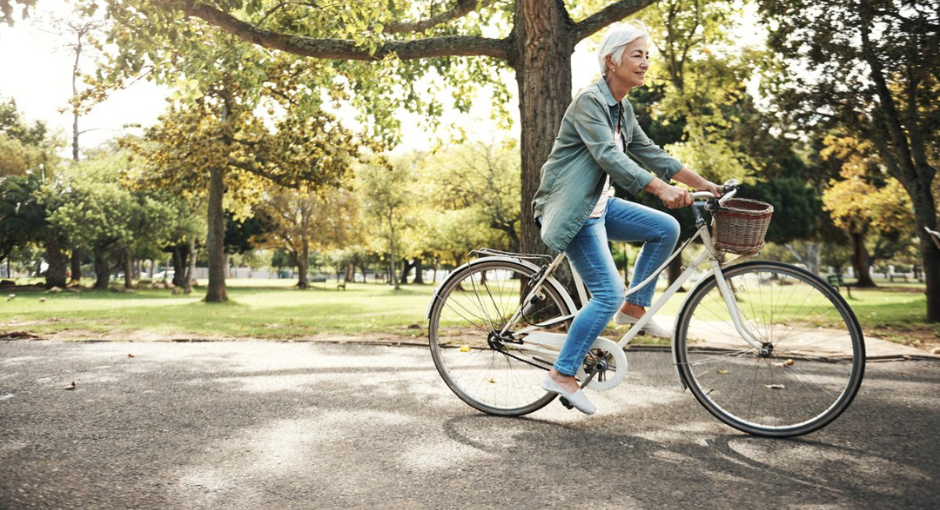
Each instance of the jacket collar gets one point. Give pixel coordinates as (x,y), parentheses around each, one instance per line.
(602,85)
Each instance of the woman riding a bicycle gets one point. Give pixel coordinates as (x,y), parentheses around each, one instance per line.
(576,214)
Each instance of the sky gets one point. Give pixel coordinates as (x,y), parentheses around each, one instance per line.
(36,72)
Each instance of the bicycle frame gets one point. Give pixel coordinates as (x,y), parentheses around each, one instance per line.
(709,254)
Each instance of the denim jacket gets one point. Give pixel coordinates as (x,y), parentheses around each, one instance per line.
(584,151)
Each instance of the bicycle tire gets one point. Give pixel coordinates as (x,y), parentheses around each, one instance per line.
(810,364)
(485,370)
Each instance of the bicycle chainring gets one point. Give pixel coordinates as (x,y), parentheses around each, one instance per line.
(610,362)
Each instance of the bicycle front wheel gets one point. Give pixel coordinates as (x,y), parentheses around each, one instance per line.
(491,369)
(805,362)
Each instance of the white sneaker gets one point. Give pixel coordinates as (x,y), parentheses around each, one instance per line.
(578,399)
(651,327)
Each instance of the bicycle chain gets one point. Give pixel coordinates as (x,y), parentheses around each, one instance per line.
(527,362)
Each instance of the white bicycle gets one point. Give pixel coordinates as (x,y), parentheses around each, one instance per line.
(768,348)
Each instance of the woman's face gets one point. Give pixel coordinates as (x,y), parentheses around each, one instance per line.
(633,64)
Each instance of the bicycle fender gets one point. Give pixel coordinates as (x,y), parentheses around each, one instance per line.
(549,281)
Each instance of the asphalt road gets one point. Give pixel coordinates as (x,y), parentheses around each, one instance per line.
(264,425)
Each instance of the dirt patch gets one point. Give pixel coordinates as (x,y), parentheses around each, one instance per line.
(140,335)
(17,335)
(925,338)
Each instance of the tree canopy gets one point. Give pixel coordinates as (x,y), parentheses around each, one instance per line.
(876,75)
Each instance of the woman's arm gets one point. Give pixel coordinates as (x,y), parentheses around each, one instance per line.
(674,197)
(696,181)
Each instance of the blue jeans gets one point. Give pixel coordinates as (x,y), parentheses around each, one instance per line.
(590,254)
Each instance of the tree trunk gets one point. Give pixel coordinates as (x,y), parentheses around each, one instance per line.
(543,43)
(56,272)
(128,269)
(102,269)
(191,267)
(419,271)
(180,257)
(406,267)
(907,157)
(76,265)
(860,261)
(931,257)
(215,240)
(392,274)
(303,260)
(674,270)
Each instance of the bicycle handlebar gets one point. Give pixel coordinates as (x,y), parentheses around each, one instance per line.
(730,188)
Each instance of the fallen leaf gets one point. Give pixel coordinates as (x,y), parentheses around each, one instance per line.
(70,386)
(464,348)
(130,355)
(722,371)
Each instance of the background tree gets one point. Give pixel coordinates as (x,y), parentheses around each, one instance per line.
(243,117)
(217,143)
(387,193)
(23,147)
(535,38)
(875,74)
(89,203)
(281,259)
(483,177)
(798,216)
(28,162)
(17,198)
(8,10)
(300,220)
(864,200)
(704,75)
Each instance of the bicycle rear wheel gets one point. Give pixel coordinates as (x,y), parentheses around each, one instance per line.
(809,364)
(492,371)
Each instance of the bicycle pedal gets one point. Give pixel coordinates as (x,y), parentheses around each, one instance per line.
(564,402)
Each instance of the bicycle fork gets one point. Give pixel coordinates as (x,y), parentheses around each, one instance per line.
(727,293)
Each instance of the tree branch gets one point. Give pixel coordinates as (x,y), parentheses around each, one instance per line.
(610,14)
(459,10)
(342,49)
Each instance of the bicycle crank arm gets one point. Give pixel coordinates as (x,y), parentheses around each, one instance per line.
(599,368)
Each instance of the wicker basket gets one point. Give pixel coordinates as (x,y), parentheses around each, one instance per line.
(740,225)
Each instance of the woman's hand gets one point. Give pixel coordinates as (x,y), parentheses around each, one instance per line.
(690,178)
(673,197)
(711,187)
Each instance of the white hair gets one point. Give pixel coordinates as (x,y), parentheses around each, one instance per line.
(617,38)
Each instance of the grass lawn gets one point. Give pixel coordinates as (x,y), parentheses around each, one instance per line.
(255,310)
(273,309)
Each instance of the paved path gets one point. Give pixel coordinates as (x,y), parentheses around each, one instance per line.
(255,425)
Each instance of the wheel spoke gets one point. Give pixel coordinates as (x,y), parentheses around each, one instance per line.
(478,362)
(809,368)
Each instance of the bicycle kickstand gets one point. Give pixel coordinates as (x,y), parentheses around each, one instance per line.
(594,371)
